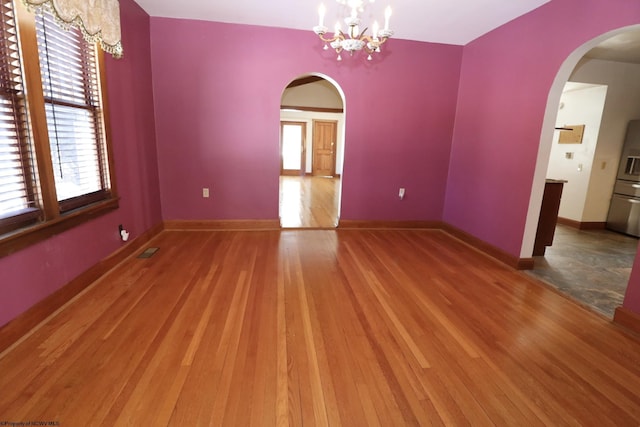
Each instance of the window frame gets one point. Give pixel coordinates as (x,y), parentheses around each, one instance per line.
(52,220)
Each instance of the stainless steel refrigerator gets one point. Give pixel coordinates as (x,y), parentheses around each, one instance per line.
(624,211)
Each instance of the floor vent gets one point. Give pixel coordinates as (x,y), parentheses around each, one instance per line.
(148,253)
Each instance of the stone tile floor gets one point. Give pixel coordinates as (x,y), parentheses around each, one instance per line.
(591,266)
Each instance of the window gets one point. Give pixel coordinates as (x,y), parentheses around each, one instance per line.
(74,120)
(55,168)
(18,204)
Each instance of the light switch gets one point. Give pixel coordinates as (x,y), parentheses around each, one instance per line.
(205,192)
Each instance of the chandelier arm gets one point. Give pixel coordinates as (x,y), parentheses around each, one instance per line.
(364,37)
(328,40)
(381,41)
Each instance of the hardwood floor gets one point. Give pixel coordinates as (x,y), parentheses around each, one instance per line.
(318,327)
(309,201)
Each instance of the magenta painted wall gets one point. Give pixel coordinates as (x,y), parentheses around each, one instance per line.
(632,296)
(505,80)
(217,90)
(31,274)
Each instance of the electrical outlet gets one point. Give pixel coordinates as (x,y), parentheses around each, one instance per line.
(205,192)
(124,234)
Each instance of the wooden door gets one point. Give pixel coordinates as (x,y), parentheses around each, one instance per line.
(292,148)
(324,147)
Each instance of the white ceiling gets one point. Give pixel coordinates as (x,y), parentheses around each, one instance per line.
(439,21)
(624,47)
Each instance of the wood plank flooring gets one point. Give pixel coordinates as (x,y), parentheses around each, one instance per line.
(341,327)
(309,201)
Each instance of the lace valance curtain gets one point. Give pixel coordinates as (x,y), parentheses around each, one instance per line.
(99,20)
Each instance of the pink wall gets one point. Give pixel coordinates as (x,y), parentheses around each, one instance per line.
(505,80)
(31,274)
(632,296)
(217,90)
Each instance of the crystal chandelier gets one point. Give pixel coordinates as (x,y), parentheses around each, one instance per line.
(354,40)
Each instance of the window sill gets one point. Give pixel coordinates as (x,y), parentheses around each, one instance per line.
(24,237)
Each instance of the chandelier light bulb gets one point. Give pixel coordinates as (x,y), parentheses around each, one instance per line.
(321,12)
(387,15)
(375,29)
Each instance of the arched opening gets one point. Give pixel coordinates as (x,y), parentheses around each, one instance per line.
(312,128)
(593,166)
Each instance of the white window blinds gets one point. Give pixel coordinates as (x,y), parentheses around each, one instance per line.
(72,103)
(18,203)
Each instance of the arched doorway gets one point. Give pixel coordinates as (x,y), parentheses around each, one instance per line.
(590,288)
(312,123)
